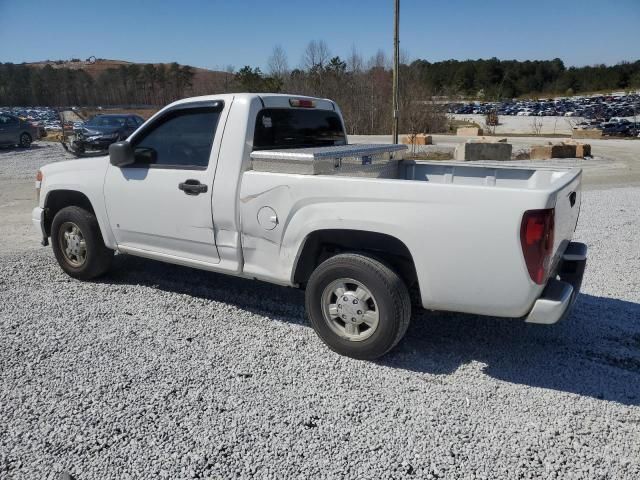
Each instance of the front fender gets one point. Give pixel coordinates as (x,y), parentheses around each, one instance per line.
(84,176)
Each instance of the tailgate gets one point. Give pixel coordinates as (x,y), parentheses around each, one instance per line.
(567,210)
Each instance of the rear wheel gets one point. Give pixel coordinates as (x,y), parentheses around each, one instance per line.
(77,244)
(358,306)
(25,140)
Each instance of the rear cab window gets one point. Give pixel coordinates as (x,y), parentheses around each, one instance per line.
(282,128)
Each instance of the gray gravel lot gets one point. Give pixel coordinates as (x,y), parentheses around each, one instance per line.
(159,371)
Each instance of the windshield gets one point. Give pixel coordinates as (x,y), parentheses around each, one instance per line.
(103,121)
(293,128)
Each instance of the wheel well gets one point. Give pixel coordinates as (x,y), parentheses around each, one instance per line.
(59,199)
(323,244)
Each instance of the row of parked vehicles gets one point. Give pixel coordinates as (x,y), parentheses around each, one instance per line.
(614,127)
(592,107)
(21,126)
(45,118)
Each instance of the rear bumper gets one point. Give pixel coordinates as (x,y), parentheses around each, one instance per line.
(560,294)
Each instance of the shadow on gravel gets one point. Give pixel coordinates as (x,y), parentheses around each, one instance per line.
(279,303)
(595,352)
(34,146)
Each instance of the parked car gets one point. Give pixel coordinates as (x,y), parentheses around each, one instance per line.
(265,186)
(103,130)
(616,129)
(15,131)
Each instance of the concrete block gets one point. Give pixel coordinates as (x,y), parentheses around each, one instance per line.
(563,150)
(469,132)
(540,152)
(437,152)
(586,133)
(560,150)
(483,151)
(521,154)
(424,139)
(582,149)
(419,139)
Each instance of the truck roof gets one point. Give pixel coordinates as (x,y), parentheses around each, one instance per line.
(269,99)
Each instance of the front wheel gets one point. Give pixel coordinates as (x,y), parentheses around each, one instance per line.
(358,306)
(77,244)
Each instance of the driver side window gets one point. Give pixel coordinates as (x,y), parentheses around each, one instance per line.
(180,139)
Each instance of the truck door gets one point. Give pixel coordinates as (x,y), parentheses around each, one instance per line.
(162,203)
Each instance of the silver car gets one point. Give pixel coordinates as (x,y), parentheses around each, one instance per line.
(15,131)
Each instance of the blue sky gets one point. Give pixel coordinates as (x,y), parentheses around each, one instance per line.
(213,34)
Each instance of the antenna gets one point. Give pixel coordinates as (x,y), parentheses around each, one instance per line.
(396,64)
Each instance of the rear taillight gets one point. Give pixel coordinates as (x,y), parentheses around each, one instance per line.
(536,238)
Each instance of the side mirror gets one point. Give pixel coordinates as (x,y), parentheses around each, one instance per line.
(121,154)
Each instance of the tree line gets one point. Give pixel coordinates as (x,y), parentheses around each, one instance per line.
(24,85)
(362,87)
(495,79)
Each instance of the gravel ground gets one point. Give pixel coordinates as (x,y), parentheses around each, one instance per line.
(17,164)
(159,371)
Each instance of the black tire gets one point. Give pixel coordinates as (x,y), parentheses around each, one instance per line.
(25,140)
(97,258)
(391,297)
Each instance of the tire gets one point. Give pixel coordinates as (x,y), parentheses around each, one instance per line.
(25,140)
(87,257)
(385,297)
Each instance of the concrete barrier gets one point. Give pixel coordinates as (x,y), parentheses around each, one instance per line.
(483,151)
(588,133)
(545,152)
(521,154)
(469,132)
(582,149)
(419,139)
(431,152)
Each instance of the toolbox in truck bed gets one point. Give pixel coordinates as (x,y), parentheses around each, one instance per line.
(378,161)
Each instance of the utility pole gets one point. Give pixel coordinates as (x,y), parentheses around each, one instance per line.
(396,64)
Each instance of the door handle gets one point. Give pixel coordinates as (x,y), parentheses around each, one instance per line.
(192,187)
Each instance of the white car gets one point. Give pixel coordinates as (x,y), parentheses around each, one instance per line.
(265,186)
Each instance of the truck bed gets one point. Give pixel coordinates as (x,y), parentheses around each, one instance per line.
(497,175)
(460,222)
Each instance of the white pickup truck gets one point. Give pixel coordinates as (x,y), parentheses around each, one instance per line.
(190,187)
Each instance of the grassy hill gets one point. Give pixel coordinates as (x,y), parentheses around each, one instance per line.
(202,76)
